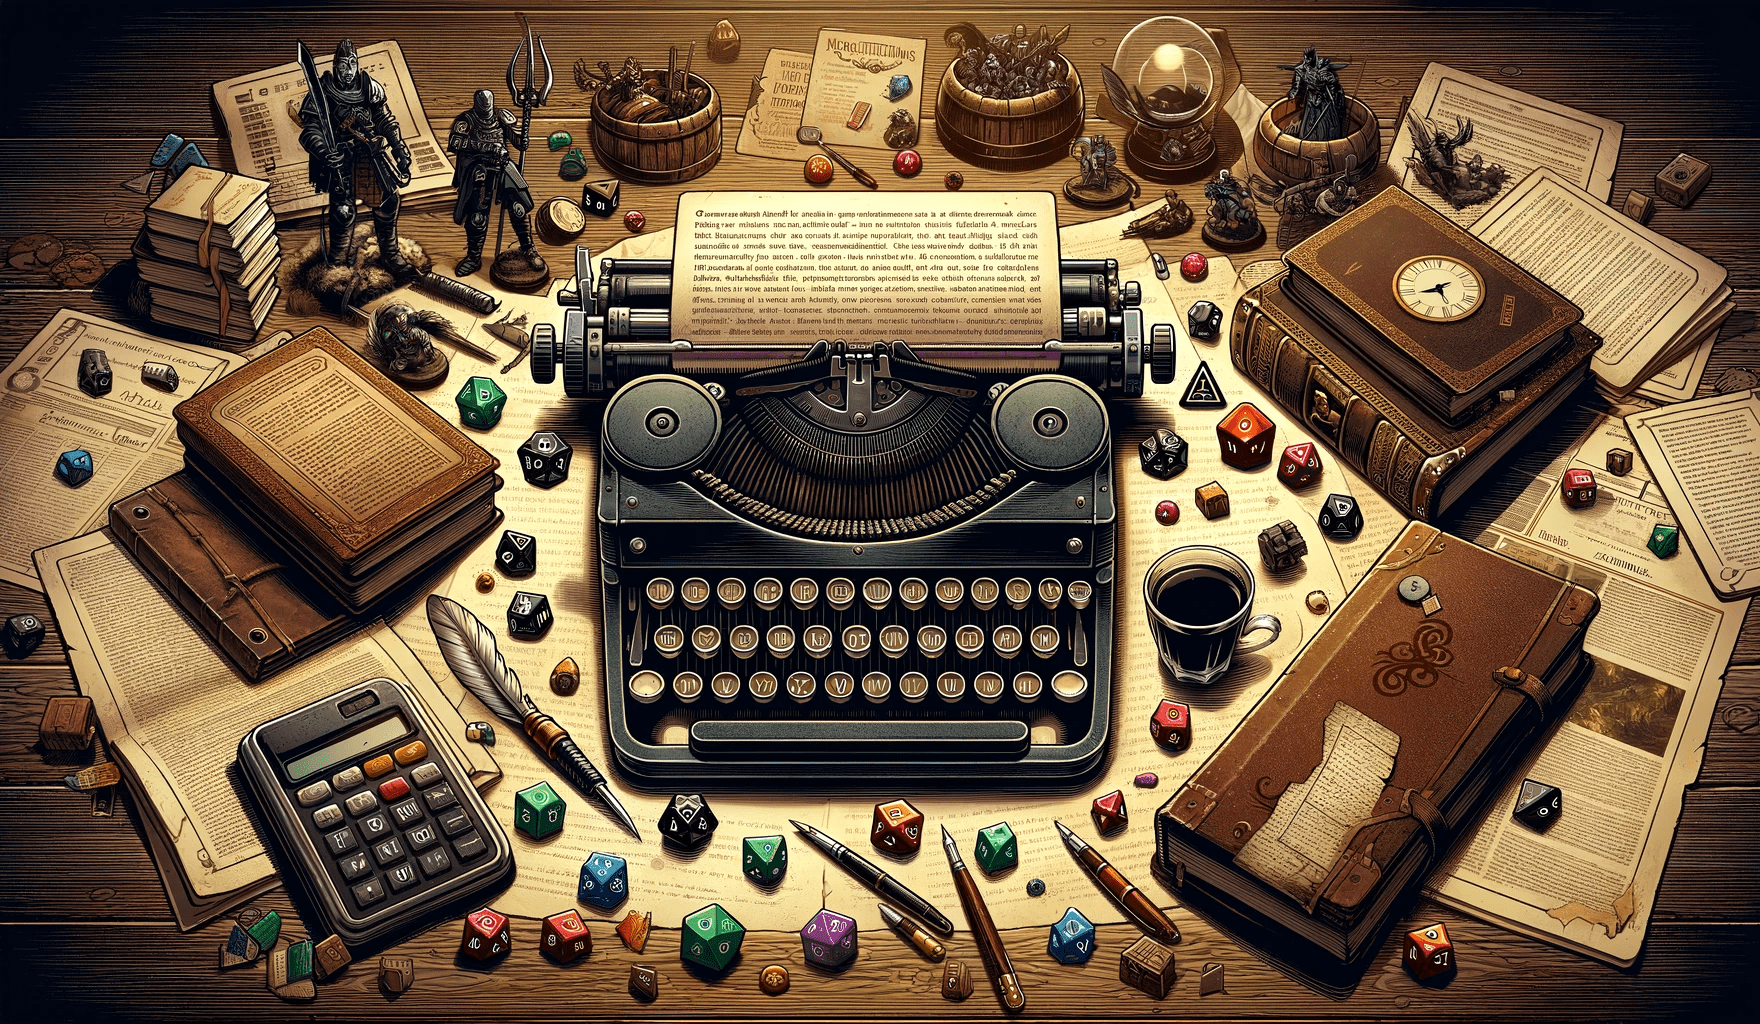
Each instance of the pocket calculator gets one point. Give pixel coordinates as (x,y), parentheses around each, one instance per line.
(377,819)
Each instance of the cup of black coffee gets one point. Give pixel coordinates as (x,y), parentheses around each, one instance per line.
(1200,601)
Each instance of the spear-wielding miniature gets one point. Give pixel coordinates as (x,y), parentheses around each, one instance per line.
(526,98)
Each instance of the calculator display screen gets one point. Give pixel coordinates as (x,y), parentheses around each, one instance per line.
(349,746)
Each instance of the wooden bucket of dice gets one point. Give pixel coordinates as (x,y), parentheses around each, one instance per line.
(1009,135)
(1289,160)
(637,143)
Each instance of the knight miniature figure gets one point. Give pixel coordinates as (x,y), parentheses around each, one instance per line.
(1233,223)
(480,140)
(360,127)
(1315,86)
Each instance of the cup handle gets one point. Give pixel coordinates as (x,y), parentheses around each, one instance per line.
(1260,622)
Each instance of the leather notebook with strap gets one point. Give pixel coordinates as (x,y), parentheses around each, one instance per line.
(1318,816)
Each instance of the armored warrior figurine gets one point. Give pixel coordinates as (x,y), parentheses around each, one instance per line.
(1233,224)
(1315,85)
(345,120)
(480,139)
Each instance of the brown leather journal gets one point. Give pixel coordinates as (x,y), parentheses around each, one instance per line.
(1441,312)
(1318,816)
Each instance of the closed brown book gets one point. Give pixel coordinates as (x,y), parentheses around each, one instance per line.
(1439,311)
(343,460)
(1312,824)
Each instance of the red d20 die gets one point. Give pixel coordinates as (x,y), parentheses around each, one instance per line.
(565,937)
(1300,466)
(1109,813)
(1246,435)
(1428,952)
(1171,725)
(898,827)
(1578,487)
(486,935)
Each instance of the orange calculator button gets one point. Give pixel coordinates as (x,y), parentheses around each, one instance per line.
(413,752)
(377,766)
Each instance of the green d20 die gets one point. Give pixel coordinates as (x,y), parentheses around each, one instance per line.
(1664,541)
(996,849)
(764,859)
(538,811)
(480,402)
(710,938)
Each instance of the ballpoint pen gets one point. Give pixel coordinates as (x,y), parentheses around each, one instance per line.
(1127,896)
(913,933)
(470,651)
(995,954)
(875,879)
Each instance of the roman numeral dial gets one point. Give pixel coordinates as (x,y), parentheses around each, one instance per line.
(1438,288)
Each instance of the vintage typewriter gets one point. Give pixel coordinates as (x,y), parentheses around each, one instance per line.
(888,562)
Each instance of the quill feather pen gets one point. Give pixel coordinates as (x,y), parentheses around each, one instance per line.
(470,651)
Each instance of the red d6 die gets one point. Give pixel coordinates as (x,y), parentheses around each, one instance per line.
(1578,487)
(1246,436)
(898,827)
(1110,816)
(486,935)
(1428,952)
(1171,725)
(565,937)
(1300,466)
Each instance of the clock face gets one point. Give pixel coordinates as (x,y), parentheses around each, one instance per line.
(1438,288)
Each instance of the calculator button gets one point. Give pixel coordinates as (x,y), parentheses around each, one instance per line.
(317,792)
(348,778)
(361,803)
(407,812)
(375,826)
(388,851)
(326,816)
(377,766)
(421,837)
(435,862)
(425,775)
(340,841)
(369,892)
(402,877)
(453,822)
(394,789)
(439,797)
(355,866)
(470,845)
(410,753)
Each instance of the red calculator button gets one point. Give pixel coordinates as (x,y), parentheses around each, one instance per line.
(394,789)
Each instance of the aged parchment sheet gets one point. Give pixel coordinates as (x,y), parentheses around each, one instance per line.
(1690,450)
(857,67)
(778,94)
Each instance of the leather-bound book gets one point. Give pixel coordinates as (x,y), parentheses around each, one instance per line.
(1418,461)
(1441,313)
(1310,827)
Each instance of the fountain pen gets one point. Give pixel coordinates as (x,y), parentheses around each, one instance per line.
(1141,909)
(875,879)
(1008,983)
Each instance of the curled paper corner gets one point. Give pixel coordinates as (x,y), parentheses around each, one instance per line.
(1611,921)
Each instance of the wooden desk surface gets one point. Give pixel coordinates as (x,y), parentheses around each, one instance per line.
(84,926)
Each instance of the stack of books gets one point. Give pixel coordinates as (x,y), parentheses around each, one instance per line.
(209,255)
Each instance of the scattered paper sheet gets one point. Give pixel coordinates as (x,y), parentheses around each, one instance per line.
(778,96)
(851,68)
(1679,380)
(1698,452)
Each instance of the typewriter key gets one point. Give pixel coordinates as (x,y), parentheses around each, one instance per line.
(877,592)
(931,640)
(895,640)
(803,594)
(767,593)
(913,686)
(731,593)
(949,592)
(1069,686)
(669,640)
(779,640)
(988,686)
(969,641)
(840,593)
(742,641)
(687,686)
(1019,592)
(951,686)
(1007,640)
(1045,643)
(876,686)
(762,685)
(817,640)
(694,593)
(1080,593)
(725,686)
(913,593)
(801,686)
(985,591)
(660,591)
(839,686)
(857,640)
(1050,593)
(646,686)
(1028,686)
(706,641)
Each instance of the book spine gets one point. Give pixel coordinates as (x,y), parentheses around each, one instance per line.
(1270,355)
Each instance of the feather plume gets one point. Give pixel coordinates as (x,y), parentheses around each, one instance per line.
(1120,94)
(470,651)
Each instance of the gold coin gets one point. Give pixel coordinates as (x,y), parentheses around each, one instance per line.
(773,979)
(485,582)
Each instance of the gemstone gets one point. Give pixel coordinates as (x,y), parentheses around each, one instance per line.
(898,88)
(634,221)
(954,181)
(1193,266)
(907,162)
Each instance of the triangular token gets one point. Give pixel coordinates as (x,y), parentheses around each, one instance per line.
(240,949)
(141,184)
(1203,392)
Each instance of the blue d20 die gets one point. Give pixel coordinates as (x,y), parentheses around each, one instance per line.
(1072,938)
(604,881)
(74,467)
(829,940)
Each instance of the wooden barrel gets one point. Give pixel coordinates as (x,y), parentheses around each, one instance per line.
(1289,160)
(1009,135)
(661,153)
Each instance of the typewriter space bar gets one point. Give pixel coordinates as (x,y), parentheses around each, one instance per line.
(858,740)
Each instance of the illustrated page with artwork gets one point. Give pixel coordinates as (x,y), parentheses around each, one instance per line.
(778,94)
(851,91)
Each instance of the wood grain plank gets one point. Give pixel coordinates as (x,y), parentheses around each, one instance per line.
(65,864)
(1732,749)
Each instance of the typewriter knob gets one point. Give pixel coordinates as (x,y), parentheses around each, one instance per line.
(661,424)
(1161,354)
(1050,423)
(544,352)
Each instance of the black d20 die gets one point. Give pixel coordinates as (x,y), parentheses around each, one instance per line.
(517,554)
(544,459)
(528,615)
(1538,805)
(1340,518)
(687,821)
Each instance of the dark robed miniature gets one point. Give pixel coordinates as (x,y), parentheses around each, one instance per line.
(403,343)
(480,139)
(361,127)
(1233,222)
(1315,85)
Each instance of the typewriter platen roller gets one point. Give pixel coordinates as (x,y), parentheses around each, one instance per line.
(871,561)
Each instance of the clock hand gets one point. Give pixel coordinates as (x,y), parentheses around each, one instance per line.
(1438,289)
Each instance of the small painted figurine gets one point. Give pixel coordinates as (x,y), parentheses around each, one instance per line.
(1233,221)
(480,139)
(403,343)
(1436,160)
(362,128)
(1315,85)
